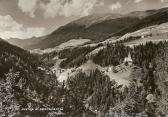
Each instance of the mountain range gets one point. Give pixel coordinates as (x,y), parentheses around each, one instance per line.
(97,27)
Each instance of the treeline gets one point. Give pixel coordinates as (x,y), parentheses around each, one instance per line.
(128,39)
(143,54)
(111,54)
(76,56)
(115,54)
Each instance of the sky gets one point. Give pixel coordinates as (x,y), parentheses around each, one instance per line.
(28,18)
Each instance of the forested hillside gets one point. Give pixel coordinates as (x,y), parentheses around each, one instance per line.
(94,93)
(19,71)
(107,78)
(111,54)
(13,57)
(146,92)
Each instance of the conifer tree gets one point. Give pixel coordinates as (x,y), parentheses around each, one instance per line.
(8,103)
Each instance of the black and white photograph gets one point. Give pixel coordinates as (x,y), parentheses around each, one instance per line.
(83,58)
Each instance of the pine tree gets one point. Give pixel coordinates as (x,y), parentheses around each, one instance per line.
(8,104)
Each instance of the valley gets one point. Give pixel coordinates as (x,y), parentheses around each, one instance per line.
(90,67)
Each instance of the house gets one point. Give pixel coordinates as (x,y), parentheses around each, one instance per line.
(128,60)
(142,36)
(110,68)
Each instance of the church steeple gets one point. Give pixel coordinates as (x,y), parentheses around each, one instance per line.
(129,56)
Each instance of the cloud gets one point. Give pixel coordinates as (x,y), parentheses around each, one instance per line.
(69,8)
(9,28)
(164,1)
(52,8)
(137,1)
(100,3)
(115,6)
(28,6)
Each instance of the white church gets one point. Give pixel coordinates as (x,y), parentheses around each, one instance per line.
(128,60)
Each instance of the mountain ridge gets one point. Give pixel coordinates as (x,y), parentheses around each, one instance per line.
(97,28)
